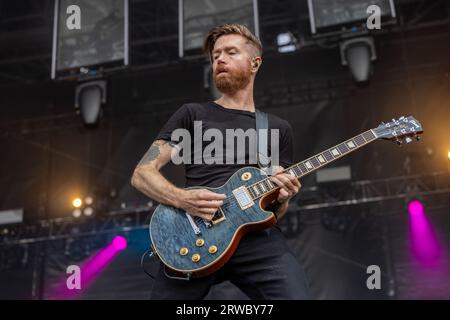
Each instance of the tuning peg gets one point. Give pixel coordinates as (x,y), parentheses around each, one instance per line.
(408,140)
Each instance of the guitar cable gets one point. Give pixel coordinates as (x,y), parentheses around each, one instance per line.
(142,262)
(152,254)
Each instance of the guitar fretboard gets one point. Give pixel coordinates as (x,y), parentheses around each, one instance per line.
(317,161)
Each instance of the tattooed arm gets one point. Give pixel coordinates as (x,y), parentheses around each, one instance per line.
(147,179)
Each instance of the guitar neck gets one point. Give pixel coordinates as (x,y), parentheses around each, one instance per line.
(315,162)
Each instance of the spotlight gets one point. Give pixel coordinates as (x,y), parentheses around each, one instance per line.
(88,200)
(415,207)
(358,54)
(448,165)
(76,213)
(77,202)
(286,42)
(424,243)
(89,97)
(119,243)
(88,211)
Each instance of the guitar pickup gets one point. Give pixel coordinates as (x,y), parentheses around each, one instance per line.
(243,197)
(219,216)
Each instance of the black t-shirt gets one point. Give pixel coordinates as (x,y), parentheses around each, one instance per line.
(215,116)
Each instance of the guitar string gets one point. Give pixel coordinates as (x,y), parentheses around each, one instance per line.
(225,205)
(233,200)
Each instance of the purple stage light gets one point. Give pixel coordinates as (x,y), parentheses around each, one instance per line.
(424,243)
(91,269)
(120,243)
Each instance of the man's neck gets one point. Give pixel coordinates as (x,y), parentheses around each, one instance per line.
(241,100)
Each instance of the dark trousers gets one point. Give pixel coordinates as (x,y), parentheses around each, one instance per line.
(263,267)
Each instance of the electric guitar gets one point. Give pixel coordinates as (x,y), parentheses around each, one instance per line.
(193,247)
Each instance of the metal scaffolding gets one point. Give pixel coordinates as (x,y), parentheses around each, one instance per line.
(318,199)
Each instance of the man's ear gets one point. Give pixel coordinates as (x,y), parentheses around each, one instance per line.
(256,62)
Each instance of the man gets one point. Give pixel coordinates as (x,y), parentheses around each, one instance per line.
(263,267)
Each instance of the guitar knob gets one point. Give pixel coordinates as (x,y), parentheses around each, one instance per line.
(199,242)
(212,249)
(417,138)
(196,257)
(184,251)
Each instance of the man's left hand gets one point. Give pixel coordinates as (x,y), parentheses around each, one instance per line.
(289,184)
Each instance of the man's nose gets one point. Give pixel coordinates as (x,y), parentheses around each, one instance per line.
(221,59)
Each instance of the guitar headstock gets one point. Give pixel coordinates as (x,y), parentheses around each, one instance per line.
(403,130)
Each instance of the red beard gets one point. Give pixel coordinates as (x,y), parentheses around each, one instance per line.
(232,80)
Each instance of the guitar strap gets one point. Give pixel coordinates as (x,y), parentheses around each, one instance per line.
(262,130)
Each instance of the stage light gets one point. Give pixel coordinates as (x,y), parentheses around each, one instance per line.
(88,211)
(415,207)
(88,200)
(77,202)
(91,268)
(358,54)
(286,42)
(119,243)
(423,240)
(89,97)
(76,213)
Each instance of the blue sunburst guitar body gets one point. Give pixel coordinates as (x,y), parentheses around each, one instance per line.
(184,248)
(193,247)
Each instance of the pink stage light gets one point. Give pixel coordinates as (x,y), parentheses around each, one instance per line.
(424,243)
(92,268)
(120,243)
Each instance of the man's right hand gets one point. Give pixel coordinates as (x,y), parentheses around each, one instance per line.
(201,202)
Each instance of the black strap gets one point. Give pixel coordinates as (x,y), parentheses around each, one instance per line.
(262,130)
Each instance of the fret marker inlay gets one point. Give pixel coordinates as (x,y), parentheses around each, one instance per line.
(321,159)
